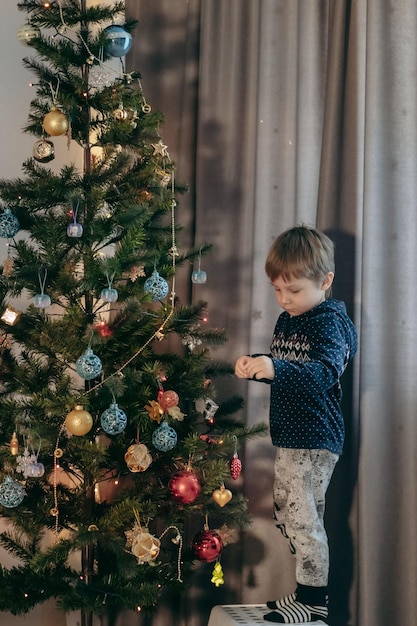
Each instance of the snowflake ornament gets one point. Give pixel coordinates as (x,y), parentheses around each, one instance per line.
(23,461)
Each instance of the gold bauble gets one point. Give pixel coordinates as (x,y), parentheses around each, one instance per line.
(55,123)
(79,421)
(137,457)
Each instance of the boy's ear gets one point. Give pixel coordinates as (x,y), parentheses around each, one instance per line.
(327,282)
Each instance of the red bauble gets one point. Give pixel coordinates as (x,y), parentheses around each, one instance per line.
(207,545)
(103,329)
(184,486)
(168,399)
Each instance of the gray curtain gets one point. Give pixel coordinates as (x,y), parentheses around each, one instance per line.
(286,111)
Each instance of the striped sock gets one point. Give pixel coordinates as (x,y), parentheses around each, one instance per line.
(277,604)
(297,613)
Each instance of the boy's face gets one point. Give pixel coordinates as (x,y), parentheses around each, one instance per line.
(298,295)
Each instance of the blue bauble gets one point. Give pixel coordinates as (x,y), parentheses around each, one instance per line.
(74,229)
(156,286)
(9,224)
(164,438)
(113,420)
(41,300)
(11,493)
(88,365)
(109,294)
(118,41)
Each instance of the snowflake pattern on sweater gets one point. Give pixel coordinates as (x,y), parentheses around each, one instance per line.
(310,352)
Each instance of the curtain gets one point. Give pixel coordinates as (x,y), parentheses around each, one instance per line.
(280,112)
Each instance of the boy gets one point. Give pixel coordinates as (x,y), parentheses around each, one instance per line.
(313,342)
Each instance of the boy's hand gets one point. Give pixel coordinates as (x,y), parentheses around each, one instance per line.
(241,366)
(255,367)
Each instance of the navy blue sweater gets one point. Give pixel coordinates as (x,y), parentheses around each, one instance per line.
(310,353)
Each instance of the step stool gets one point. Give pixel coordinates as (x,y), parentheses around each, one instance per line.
(244,615)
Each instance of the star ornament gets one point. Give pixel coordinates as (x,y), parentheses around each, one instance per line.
(160,149)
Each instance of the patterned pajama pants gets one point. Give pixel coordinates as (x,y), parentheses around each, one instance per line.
(300,485)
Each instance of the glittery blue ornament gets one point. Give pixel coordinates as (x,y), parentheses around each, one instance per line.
(156,286)
(164,438)
(88,365)
(113,420)
(118,41)
(11,493)
(9,224)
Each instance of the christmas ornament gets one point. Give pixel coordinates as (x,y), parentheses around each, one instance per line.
(162,177)
(135,272)
(10,316)
(235,463)
(109,294)
(79,421)
(176,413)
(43,151)
(138,458)
(145,195)
(164,438)
(8,264)
(217,575)
(155,411)
(210,410)
(55,123)
(191,341)
(156,286)
(9,224)
(160,149)
(168,399)
(103,329)
(42,300)
(113,420)
(118,41)
(145,547)
(120,114)
(222,496)
(184,486)
(207,545)
(100,76)
(14,444)
(35,470)
(198,276)
(75,229)
(88,365)
(28,464)
(26,33)
(11,493)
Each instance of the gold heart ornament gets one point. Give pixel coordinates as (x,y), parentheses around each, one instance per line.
(222,496)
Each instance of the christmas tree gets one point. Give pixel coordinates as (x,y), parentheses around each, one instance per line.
(111,439)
